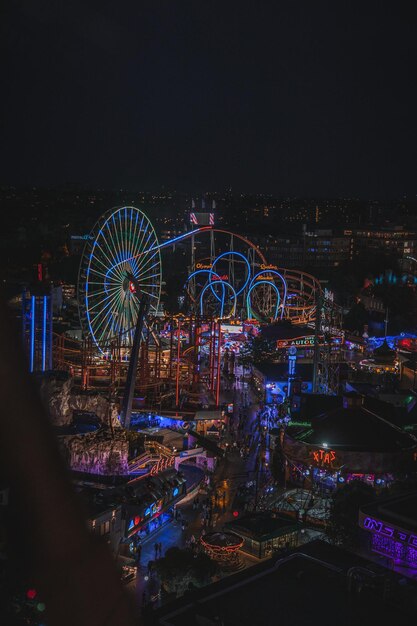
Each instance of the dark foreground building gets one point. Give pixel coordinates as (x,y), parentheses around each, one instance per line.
(316,585)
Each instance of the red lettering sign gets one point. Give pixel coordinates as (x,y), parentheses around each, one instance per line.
(323,457)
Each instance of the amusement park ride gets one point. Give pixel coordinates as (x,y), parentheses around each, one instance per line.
(166,359)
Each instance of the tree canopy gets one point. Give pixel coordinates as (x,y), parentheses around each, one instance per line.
(344,512)
(181,570)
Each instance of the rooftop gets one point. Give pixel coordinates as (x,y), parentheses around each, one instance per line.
(384,354)
(401,412)
(309,586)
(354,427)
(400,510)
(261,526)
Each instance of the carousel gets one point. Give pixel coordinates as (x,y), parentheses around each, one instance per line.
(223,547)
(384,360)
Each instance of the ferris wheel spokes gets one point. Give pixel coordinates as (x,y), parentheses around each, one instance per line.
(122,243)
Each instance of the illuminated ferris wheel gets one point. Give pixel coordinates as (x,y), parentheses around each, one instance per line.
(122,245)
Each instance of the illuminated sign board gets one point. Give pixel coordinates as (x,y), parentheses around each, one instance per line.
(323,457)
(306,342)
(268,267)
(298,342)
(232,327)
(376,526)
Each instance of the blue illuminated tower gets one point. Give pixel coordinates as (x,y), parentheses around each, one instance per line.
(37,329)
(292,359)
(294,382)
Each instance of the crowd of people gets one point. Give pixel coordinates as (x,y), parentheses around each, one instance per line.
(272,416)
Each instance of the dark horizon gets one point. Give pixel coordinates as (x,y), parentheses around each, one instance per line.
(291,101)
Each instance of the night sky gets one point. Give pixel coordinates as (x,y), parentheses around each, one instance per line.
(283,97)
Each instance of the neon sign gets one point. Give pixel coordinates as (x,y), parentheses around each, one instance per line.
(268,267)
(298,341)
(134,522)
(394,549)
(156,507)
(202,218)
(162,464)
(379,527)
(204,266)
(264,277)
(323,457)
